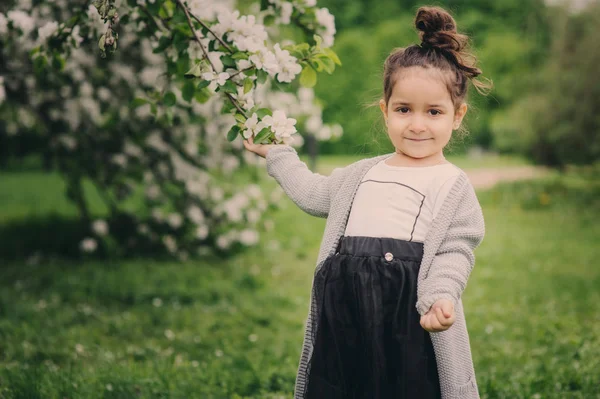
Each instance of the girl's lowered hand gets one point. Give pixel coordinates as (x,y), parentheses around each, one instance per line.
(440,317)
(260,149)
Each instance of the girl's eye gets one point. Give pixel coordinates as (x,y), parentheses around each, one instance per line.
(403,110)
(436,112)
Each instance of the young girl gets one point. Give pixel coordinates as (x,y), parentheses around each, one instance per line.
(386,317)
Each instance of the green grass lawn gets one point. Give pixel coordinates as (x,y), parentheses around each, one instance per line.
(233,328)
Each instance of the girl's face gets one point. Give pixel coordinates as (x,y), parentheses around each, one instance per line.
(420,116)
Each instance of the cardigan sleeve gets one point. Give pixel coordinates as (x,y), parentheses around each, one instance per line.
(312,192)
(455,258)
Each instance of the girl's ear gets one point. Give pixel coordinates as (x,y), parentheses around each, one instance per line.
(383,107)
(459,115)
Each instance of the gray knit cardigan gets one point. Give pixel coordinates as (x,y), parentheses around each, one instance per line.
(447,258)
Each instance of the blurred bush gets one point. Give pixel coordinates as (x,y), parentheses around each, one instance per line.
(556,122)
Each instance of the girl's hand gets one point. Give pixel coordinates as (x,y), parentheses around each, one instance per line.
(440,317)
(260,149)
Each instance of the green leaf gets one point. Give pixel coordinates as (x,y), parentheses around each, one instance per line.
(194,71)
(233,133)
(169,99)
(228,61)
(163,43)
(316,64)
(318,40)
(248,85)
(39,64)
(240,118)
(261,76)
(202,95)
(58,62)
(203,84)
(240,56)
(262,135)
(308,77)
(188,91)
(138,102)
(261,113)
(229,87)
(331,54)
(328,65)
(101,42)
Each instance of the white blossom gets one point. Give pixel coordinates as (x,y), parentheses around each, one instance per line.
(170,243)
(2,90)
(175,220)
(281,125)
(47,30)
(100,227)
(21,20)
(202,232)
(3,24)
(327,22)
(245,99)
(88,245)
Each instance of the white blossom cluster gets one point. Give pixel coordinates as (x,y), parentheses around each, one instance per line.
(214,211)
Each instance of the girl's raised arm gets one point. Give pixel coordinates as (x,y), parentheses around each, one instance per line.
(312,192)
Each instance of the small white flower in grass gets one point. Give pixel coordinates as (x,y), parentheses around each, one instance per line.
(218,353)
(157,302)
(109,387)
(195,363)
(170,335)
(489,329)
(252,337)
(79,349)
(88,245)
(100,227)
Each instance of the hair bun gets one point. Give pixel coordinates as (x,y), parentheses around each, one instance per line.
(437,28)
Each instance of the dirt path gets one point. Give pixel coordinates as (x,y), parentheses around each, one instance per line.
(488,177)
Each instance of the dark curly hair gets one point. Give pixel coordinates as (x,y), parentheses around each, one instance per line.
(443,48)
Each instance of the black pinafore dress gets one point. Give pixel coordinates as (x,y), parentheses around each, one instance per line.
(369,343)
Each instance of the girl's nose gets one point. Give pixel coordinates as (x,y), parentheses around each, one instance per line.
(417,125)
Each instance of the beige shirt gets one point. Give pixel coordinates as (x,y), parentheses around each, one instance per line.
(399,201)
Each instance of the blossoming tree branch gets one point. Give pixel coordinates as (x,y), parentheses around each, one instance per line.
(239,43)
(145,100)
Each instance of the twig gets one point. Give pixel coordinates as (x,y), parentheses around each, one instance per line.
(158,25)
(191,25)
(213,33)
